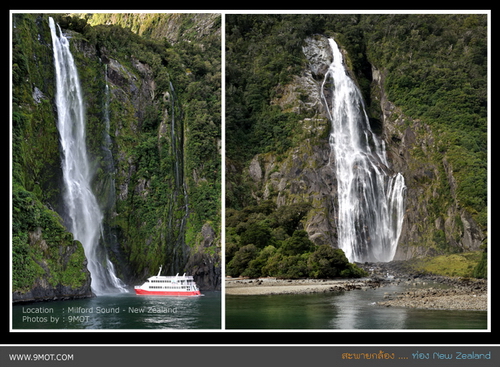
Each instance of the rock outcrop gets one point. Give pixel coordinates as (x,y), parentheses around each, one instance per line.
(58,269)
(304,173)
(204,263)
(43,291)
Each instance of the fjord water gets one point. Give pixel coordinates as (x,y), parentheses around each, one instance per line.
(350,310)
(83,215)
(370,195)
(121,311)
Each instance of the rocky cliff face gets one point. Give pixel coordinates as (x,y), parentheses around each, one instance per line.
(55,270)
(433,223)
(303,174)
(150,208)
(140,157)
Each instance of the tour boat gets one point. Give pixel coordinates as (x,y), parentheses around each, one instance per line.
(160,285)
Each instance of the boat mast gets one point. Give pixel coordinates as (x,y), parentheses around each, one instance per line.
(159,270)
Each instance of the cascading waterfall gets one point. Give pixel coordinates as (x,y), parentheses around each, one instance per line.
(84,217)
(106,137)
(370,195)
(180,188)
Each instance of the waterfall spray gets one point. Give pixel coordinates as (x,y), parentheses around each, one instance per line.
(84,216)
(370,195)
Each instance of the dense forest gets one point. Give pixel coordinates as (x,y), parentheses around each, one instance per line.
(160,189)
(264,240)
(433,70)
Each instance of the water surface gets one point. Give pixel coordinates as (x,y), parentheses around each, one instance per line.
(122,311)
(352,310)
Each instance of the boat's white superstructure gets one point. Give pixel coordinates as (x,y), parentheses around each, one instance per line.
(159,285)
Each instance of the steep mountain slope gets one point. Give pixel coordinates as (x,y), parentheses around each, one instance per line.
(153,130)
(423,78)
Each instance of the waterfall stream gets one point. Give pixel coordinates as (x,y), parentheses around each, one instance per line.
(179,193)
(370,195)
(83,215)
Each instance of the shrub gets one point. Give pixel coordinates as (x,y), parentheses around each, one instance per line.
(481,269)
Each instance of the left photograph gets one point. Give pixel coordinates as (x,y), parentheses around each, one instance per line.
(115,170)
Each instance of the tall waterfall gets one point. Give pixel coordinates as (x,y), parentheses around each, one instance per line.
(179,193)
(84,217)
(370,195)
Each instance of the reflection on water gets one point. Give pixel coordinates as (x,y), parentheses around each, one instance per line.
(122,311)
(353,310)
(356,310)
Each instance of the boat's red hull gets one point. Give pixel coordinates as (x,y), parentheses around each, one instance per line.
(143,292)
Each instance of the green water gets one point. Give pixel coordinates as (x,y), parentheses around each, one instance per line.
(355,310)
(122,311)
(339,310)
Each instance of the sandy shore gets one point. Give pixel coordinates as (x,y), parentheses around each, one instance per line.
(241,286)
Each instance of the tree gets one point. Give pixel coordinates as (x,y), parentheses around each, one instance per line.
(327,262)
(255,266)
(256,234)
(298,244)
(241,259)
(289,216)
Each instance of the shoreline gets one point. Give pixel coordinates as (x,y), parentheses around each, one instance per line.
(439,299)
(270,285)
(421,292)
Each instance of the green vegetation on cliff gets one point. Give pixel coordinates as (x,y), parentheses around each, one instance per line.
(167,139)
(436,69)
(262,52)
(166,133)
(41,246)
(432,68)
(43,251)
(157,166)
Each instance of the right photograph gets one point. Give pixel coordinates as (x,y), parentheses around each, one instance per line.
(356,167)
